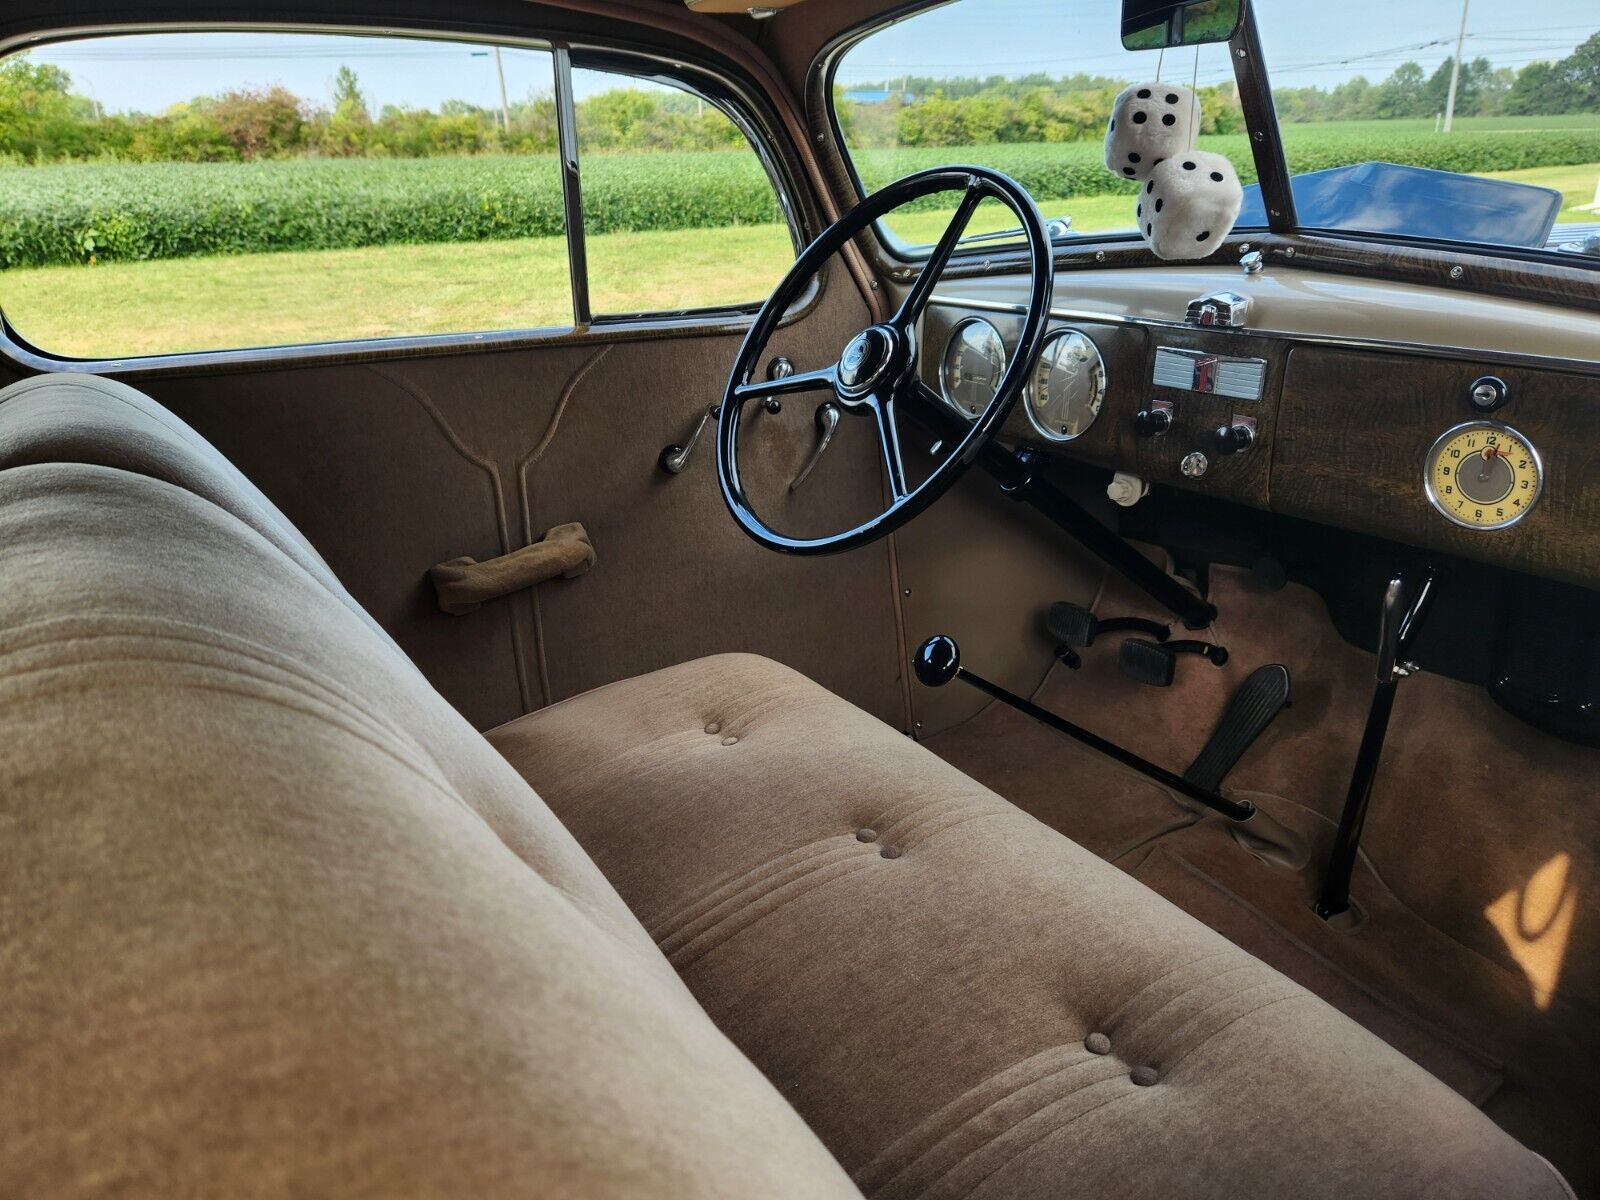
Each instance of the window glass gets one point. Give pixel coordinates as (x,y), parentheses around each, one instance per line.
(678,209)
(180,192)
(1023,86)
(1360,87)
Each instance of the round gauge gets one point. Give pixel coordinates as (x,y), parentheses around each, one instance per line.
(1067,386)
(974,360)
(1483,475)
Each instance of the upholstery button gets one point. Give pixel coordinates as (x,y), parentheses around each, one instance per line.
(866,835)
(1097,1043)
(1143,1076)
(890,852)
(730,740)
(713,728)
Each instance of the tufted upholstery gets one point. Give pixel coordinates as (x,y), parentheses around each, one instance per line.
(957,999)
(274,921)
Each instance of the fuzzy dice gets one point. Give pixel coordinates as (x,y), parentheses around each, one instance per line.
(1189,204)
(1149,124)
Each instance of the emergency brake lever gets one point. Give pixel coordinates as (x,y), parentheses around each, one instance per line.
(1403,611)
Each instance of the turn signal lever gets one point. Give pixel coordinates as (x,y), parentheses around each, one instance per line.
(938,661)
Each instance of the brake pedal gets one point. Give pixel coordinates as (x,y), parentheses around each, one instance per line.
(1259,699)
(1074,625)
(1155,664)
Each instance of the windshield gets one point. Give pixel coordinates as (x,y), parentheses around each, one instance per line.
(1363,93)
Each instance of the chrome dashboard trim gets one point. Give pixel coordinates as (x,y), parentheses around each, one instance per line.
(1421,349)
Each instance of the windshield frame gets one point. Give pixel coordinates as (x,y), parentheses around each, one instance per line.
(1251,72)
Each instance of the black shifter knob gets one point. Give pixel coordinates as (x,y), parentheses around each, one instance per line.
(938,661)
(1150,421)
(1233,439)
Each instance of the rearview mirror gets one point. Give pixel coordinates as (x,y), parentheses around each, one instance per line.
(1155,24)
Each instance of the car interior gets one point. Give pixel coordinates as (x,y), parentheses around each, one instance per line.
(1009,716)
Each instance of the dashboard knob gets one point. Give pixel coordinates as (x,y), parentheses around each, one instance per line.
(1150,422)
(1233,439)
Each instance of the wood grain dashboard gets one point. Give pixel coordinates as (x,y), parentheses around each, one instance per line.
(1342,431)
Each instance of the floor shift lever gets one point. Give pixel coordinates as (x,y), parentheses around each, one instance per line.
(1403,610)
(938,661)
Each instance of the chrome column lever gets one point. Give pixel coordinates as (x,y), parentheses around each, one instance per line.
(675,458)
(827,423)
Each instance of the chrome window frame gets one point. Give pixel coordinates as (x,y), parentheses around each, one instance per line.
(736,101)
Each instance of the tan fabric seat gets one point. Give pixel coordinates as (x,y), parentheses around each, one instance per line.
(960,1001)
(274,921)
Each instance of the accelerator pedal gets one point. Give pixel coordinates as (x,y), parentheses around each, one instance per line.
(1259,699)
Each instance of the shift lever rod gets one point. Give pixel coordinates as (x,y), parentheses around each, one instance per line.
(938,661)
(1402,615)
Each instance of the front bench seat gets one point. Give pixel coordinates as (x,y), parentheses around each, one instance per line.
(959,1000)
(275,921)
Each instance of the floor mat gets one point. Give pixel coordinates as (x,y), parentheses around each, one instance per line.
(1479,952)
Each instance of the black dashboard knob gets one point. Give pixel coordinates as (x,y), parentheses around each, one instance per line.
(1149,422)
(1233,439)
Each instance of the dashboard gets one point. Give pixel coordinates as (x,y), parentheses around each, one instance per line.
(1482,450)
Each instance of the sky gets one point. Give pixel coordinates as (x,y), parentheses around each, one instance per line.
(1321,43)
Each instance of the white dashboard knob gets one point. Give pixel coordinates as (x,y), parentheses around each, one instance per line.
(1127,490)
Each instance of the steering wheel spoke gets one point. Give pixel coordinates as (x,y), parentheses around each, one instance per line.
(894,464)
(922,288)
(788,385)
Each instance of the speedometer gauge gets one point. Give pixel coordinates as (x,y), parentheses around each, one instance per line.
(974,360)
(1483,475)
(1067,386)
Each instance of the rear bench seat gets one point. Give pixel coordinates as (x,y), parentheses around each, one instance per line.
(275,921)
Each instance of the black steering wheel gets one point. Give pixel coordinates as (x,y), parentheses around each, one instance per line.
(877,372)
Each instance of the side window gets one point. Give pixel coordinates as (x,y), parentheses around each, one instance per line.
(177,192)
(163,193)
(678,209)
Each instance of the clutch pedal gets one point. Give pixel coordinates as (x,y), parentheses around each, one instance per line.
(1259,699)
(1156,663)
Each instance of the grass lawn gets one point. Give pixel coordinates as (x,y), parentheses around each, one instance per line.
(120,309)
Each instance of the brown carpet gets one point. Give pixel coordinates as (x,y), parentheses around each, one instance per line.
(1479,952)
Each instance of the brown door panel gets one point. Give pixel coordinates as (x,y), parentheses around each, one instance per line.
(390,467)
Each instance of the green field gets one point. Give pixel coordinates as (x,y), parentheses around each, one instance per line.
(101,213)
(190,258)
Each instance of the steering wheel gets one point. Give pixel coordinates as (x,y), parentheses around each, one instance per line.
(877,373)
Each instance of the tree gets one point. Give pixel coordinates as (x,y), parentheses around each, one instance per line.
(37,114)
(1403,94)
(259,124)
(1540,89)
(348,102)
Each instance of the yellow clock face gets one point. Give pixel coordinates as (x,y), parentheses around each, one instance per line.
(1483,475)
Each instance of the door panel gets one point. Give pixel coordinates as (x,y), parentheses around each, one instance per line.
(393,466)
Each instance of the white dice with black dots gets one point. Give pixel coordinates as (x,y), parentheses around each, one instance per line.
(1149,124)
(1189,204)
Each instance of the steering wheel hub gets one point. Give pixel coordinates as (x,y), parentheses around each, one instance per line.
(865,361)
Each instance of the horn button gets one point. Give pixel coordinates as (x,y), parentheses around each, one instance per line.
(866,360)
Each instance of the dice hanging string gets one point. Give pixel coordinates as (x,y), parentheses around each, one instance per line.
(1194,101)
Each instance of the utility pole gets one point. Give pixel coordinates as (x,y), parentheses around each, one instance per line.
(1455,71)
(505,109)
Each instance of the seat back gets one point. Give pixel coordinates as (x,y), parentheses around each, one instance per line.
(274,920)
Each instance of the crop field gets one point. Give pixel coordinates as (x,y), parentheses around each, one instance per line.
(110,260)
(94,213)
